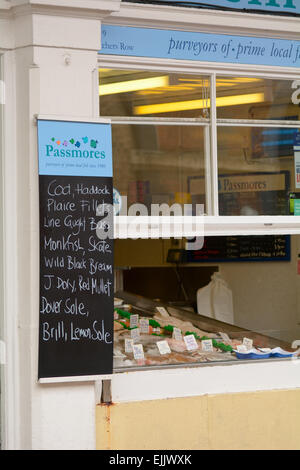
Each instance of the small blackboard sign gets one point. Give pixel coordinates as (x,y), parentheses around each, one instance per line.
(242,248)
(76,249)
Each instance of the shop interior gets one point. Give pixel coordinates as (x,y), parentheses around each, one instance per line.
(253,299)
(236,296)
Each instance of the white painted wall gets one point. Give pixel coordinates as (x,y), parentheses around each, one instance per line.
(42,82)
(54,88)
(265,295)
(210,379)
(2,343)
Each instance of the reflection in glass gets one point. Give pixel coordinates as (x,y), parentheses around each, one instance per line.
(143,93)
(158,164)
(256,170)
(255,98)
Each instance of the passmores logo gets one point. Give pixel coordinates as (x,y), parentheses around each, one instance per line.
(74,148)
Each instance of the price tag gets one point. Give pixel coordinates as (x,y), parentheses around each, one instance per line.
(248,343)
(241,348)
(207,345)
(135,335)
(144,325)
(128,345)
(134,321)
(163,311)
(177,334)
(138,351)
(163,347)
(190,342)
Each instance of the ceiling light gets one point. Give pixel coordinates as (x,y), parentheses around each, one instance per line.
(221,101)
(133,85)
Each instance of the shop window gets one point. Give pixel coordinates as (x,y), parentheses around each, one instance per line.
(237,297)
(141,93)
(256,161)
(170,145)
(256,171)
(255,99)
(225,143)
(154,164)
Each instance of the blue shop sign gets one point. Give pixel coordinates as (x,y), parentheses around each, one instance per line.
(269,6)
(69,148)
(204,47)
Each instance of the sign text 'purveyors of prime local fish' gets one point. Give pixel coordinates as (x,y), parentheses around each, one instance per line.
(204,47)
(76,266)
(279,6)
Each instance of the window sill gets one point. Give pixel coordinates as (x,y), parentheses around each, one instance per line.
(150,227)
(209,378)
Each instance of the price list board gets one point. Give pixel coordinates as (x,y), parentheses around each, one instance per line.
(242,248)
(76,249)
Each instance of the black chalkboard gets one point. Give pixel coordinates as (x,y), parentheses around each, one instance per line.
(76,277)
(242,248)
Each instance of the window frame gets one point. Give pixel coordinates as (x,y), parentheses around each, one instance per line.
(214,224)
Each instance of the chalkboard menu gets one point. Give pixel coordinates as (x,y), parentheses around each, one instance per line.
(76,249)
(242,248)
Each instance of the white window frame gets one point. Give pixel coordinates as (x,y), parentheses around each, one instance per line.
(214,224)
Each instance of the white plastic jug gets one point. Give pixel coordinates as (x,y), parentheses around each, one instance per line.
(215,300)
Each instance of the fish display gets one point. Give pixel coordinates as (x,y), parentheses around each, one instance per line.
(141,340)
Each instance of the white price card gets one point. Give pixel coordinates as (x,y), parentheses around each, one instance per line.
(134,321)
(241,348)
(207,345)
(163,311)
(138,351)
(248,343)
(135,334)
(190,342)
(177,334)
(163,347)
(128,345)
(144,325)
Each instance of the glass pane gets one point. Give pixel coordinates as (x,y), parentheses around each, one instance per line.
(159,164)
(256,98)
(143,93)
(251,303)
(257,171)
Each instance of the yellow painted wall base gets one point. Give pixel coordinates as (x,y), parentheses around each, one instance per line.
(240,421)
